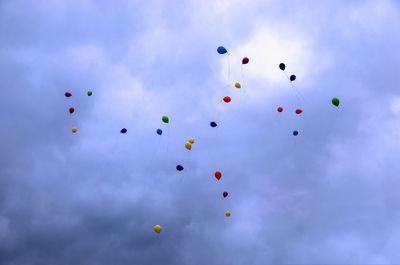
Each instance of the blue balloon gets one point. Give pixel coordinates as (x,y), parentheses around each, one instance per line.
(221,50)
(124,130)
(179,167)
(213,124)
(295,133)
(159,131)
(292,78)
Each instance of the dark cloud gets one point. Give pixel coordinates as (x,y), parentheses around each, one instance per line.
(327,196)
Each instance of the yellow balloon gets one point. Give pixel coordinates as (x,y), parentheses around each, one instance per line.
(157,229)
(191,140)
(228,213)
(74,130)
(188,145)
(237,85)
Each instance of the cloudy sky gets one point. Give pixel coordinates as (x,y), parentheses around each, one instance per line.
(328,196)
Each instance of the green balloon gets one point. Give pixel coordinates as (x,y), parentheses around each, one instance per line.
(335,101)
(165,119)
(89,93)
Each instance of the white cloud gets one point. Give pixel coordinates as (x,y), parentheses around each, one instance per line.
(266,49)
(372,17)
(395,105)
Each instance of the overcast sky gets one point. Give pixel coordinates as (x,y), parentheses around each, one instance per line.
(327,196)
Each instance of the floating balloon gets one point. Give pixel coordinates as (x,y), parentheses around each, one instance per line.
(71,110)
(188,145)
(335,101)
(227,99)
(245,60)
(89,93)
(292,78)
(298,111)
(124,130)
(218,175)
(179,167)
(67,94)
(237,85)
(295,133)
(282,66)
(165,119)
(157,229)
(213,124)
(279,109)
(191,141)
(74,130)
(159,131)
(225,194)
(221,50)
(227,213)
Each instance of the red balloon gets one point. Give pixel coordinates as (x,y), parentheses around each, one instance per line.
(71,110)
(245,60)
(225,194)
(227,99)
(218,174)
(298,111)
(279,109)
(67,94)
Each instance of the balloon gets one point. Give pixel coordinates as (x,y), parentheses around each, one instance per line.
(89,93)
(335,101)
(124,130)
(74,130)
(298,111)
(188,145)
(221,50)
(218,175)
(227,213)
(227,99)
(237,85)
(191,141)
(292,78)
(71,110)
(165,119)
(282,66)
(157,229)
(279,109)
(295,133)
(159,131)
(225,194)
(179,167)
(67,94)
(245,60)
(213,124)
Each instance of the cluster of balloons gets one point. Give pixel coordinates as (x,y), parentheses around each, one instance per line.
(72,109)
(227,99)
(282,66)
(189,143)
(297,111)
(218,176)
(292,78)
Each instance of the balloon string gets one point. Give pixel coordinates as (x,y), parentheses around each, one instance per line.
(155,152)
(298,94)
(244,81)
(229,70)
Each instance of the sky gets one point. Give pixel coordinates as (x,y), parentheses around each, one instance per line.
(327,196)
